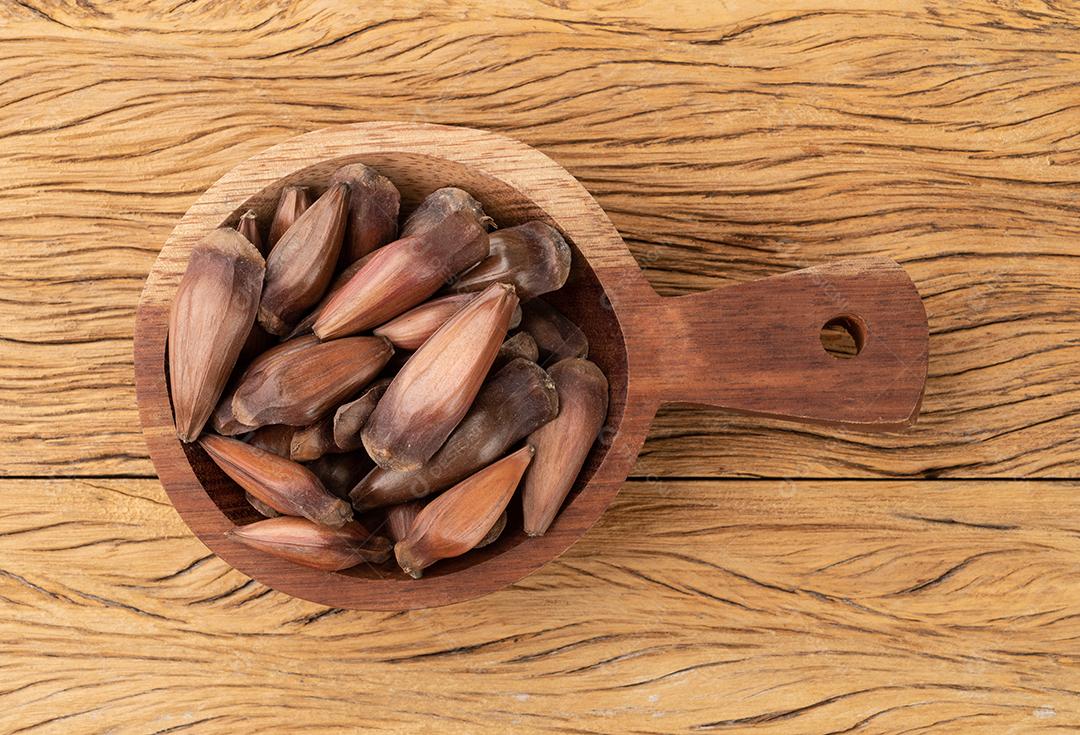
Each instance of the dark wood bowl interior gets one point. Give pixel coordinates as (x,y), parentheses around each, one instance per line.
(582,299)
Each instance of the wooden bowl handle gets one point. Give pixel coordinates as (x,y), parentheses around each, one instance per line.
(756,347)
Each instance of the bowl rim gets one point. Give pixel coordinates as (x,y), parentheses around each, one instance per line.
(532,175)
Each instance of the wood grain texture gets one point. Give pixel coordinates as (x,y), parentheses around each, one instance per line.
(778,366)
(651,349)
(729,144)
(726,142)
(730,606)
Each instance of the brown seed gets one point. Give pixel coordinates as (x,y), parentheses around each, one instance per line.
(312,545)
(373,210)
(516,401)
(556,336)
(350,418)
(305,324)
(293,202)
(533,256)
(224,419)
(460,518)
(399,518)
(440,204)
(300,266)
(435,388)
(347,273)
(210,319)
(340,472)
(520,345)
(260,506)
(248,226)
(313,441)
(411,329)
(275,438)
(563,444)
(300,381)
(284,485)
(401,275)
(493,533)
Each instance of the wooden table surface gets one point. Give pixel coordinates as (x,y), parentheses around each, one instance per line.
(752,576)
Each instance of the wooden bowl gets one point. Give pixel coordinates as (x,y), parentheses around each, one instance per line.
(752,348)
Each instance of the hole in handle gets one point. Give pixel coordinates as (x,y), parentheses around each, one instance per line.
(843,336)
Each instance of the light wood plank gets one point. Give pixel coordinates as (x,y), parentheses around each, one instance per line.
(737,606)
(726,142)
